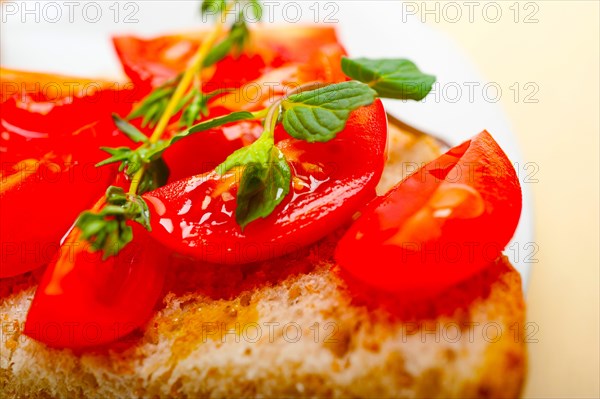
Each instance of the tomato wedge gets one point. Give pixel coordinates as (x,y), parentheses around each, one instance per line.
(48,149)
(331,181)
(84,301)
(439,226)
(150,62)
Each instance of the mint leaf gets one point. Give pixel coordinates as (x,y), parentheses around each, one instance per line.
(263,186)
(257,152)
(318,115)
(129,130)
(265,179)
(391,78)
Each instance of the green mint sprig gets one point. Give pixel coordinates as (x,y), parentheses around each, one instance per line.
(265,180)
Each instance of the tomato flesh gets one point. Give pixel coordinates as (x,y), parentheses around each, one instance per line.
(331,181)
(48,149)
(84,301)
(439,226)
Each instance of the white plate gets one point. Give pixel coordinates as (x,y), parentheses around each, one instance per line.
(74,38)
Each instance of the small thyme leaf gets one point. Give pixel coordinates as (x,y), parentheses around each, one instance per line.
(154,104)
(107,230)
(129,130)
(148,155)
(219,51)
(199,106)
(118,154)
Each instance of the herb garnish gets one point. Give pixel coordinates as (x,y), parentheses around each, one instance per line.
(314,113)
(318,115)
(107,229)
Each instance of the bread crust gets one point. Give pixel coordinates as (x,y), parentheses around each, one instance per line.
(289,327)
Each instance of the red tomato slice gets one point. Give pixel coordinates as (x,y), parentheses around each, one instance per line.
(331,181)
(48,150)
(42,196)
(148,63)
(439,226)
(83,301)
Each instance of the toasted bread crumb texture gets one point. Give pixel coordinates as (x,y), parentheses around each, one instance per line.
(288,327)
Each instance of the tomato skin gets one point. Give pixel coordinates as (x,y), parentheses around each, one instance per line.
(48,149)
(83,301)
(196,216)
(439,226)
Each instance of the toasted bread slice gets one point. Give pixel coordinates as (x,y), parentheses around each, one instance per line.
(287,327)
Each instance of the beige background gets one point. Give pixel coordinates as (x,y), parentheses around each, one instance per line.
(561,134)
